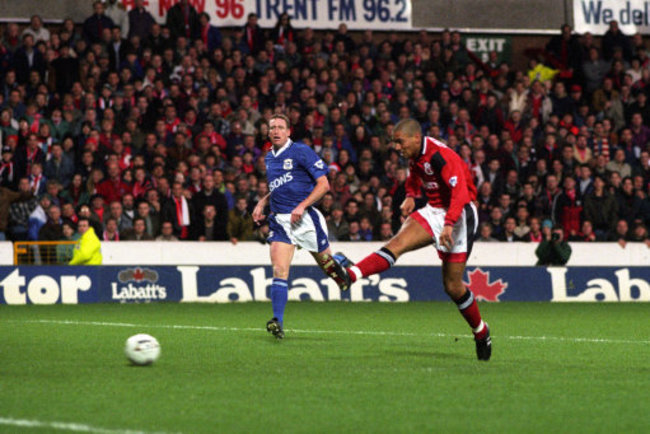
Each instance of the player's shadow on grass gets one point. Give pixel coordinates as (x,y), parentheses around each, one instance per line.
(426,354)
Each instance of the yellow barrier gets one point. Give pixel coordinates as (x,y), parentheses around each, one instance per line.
(43,252)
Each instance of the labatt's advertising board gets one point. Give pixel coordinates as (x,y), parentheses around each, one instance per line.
(223,284)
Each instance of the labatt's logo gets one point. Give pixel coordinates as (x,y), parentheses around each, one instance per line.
(235,289)
(629,289)
(137,284)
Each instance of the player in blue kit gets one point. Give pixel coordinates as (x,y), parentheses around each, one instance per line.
(297,179)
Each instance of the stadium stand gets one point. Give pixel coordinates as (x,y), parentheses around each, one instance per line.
(156,123)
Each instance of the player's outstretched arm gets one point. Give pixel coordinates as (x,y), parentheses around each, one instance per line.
(407,206)
(322,187)
(258,212)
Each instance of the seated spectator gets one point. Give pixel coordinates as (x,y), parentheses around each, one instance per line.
(38,217)
(111,232)
(586,233)
(167,232)
(621,233)
(337,227)
(151,220)
(535,234)
(485,233)
(64,252)
(508,233)
(206,228)
(138,232)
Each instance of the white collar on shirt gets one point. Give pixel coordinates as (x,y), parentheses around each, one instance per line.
(282,149)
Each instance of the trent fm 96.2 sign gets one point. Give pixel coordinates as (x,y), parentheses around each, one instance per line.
(317,14)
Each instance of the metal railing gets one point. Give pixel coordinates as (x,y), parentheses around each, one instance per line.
(43,252)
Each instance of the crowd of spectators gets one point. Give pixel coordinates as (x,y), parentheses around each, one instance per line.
(159,131)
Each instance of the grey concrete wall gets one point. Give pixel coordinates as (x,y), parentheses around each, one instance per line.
(490,14)
(50,10)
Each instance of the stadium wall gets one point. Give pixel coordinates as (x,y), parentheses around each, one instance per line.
(495,254)
(244,283)
(221,272)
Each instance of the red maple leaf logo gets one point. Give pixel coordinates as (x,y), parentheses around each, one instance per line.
(479,284)
(138,275)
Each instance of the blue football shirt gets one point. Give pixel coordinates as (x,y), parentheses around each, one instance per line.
(292,174)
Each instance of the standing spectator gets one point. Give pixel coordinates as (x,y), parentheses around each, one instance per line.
(614,39)
(88,250)
(116,11)
(95,24)
(600,208)
(568,208)
(209,195)
(283,32)
(7,199)
(629,203)
(28,59)
(183,20)
(253,35)
(594,70)
(37,30)
(210,35)
(66,73)
(566,51)
(179,211)
(140,21)
(20,210)
(553,250)
(240,222)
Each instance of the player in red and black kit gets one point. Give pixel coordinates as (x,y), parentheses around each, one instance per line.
(449,221)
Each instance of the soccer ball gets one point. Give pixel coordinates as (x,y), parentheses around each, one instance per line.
(142,349)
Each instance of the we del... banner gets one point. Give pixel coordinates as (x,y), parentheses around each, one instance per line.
(594,16)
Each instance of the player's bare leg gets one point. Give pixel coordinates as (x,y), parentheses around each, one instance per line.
(281,256)
(452,279)
(332,268)
(411,236)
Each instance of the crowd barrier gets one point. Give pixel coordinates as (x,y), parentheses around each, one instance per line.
(243,283)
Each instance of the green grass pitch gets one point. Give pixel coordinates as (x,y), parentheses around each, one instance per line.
(343,367)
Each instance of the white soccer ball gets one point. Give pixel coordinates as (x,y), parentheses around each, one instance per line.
(142,349)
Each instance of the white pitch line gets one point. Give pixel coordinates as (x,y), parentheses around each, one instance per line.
(342,332)
(66,426)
